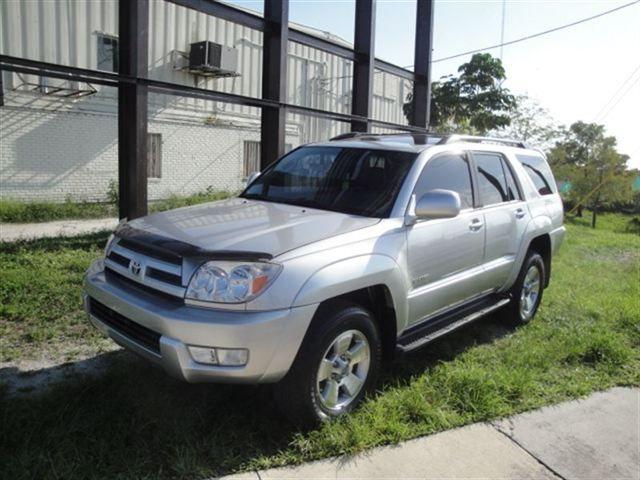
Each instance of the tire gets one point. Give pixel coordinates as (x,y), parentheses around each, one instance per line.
(339,330)
(531,279)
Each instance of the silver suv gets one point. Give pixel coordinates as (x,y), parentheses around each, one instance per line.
(336,256)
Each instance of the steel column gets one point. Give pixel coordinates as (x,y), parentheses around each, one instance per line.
(132,108)
(274,80)
(1,90)
(363,64)
(422,64)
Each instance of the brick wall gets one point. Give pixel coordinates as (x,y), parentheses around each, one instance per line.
(47,155)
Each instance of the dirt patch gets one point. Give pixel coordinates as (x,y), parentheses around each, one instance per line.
(26,377)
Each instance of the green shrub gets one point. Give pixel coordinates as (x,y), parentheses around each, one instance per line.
(15,211)
(633,225)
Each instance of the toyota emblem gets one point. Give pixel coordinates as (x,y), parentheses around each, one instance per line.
(135,267)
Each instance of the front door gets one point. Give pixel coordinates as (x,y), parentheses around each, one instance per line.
(445,255)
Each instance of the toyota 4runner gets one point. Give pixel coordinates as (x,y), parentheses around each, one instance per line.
(336,256)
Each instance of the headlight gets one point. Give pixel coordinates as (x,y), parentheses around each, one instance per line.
(231,282)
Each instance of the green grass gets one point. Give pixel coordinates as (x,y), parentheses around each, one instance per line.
(135,422)
(607,221)
(40,302)
(15,211)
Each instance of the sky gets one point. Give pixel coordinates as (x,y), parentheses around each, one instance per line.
(576,73)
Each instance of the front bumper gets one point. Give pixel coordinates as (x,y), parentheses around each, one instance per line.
(272,337)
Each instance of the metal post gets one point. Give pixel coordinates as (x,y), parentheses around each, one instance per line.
(132,108)
(1,90)
(274,79)
(422,64)
(364,62)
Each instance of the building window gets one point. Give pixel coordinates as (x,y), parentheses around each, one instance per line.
(251,156)
(108,53)
(154,155)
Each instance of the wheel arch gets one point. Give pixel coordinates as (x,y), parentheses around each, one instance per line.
(374,282)
(542,245)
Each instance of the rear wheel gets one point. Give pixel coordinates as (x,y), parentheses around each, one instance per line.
(337,365)
(526,293)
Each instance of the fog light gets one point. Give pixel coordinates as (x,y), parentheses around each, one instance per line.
(204,355)
(235,357)
(228,357)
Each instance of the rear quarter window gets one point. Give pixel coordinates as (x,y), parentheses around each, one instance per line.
(539,172)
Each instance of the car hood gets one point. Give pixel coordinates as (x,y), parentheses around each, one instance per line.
(242,225)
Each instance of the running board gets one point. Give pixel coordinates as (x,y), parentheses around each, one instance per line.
(447,323)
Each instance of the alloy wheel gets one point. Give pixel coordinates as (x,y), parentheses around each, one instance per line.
(530,292)
(343,370)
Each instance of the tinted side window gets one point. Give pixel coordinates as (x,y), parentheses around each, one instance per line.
(449,172)
(492,182)
(539,172)
(512,189)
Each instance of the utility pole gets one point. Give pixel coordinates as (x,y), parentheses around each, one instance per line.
(504,11)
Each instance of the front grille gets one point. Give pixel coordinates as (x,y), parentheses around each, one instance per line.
(164,276)
(146,266)
(136,332)
(119,259)
(113,276)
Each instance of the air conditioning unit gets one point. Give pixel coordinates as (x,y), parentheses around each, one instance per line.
(212,59)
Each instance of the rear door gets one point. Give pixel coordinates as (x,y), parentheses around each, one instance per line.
(548,200)
(505,213)
(445,255)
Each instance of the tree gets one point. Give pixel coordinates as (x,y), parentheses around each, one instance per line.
(531,123)
(474,101)
(597,171)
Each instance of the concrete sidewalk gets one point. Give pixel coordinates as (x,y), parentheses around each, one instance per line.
(11,232)
(594,438)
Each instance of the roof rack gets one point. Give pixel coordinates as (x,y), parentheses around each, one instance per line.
(345,136)
(381,136)
(474,139)
(442,139)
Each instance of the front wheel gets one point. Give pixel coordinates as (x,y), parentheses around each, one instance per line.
(526,293)
(336,366)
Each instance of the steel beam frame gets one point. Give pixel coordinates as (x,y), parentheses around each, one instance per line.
(274,80)
(1,90)
(132,108)
(363,65)
(422,64)
(133,85)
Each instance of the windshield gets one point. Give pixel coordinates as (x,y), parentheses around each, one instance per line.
(348,180)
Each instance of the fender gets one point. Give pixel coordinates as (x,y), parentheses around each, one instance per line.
(537,226)
(354,273)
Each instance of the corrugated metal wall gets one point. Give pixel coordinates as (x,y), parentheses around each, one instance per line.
(66,32)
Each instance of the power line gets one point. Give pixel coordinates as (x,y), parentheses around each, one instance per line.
(535,35)
(517,40)
(622,85)
(624,94)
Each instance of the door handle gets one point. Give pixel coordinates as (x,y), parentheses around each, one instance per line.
(475,225)
(520,213)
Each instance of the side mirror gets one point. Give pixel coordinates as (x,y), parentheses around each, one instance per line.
(438,204)
(252,176)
